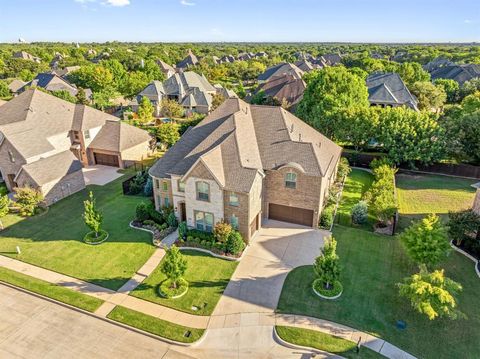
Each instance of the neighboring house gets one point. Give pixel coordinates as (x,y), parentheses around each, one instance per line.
(377,56)
(284,88)
(244,56)
(15,86)
(155,92)
(476,202)
(388,89)
(166,69)
(330,59)
(437,63)
(243,163)
(26,56)
(261,54)
(280,69)
(306,66)
(45,141)
(190,60)
(52,82)
(223,91)
(459,73)
(226,59)
(65,71)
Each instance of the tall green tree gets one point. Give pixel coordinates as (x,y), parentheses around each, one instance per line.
(326,265)
(91,216)
(145,110)
(4,203)
(432,294)
(168,133)
(82,97)
(359,126)
(426,241)
(329,93)
(430,96)
(451,88)
(412,72)
(174,265)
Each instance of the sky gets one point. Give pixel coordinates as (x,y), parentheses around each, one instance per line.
(240,20)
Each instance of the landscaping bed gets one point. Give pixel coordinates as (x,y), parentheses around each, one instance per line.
(372,265)
(50,290)
(325,342)
(55,240)
(159,232)
(207,278)
(155,325)
(91,238)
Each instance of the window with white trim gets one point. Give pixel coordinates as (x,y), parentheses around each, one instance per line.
(203,191)
(233,199)
(181,186)
(291,180)
(204,221)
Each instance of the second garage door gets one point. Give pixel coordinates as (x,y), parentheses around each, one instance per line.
(290,214)
(107,160)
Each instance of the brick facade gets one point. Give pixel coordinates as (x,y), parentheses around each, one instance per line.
(9,168)
(476,202)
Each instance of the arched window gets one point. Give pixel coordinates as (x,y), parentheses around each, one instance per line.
(291,180)
(203,191)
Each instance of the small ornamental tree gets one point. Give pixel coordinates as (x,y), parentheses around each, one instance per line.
(4,202)
(174,266)
(432,294)
(221,231)
(343,169)
(168,133)
(82,97)
(28,200)
(171,108)
(360,213)
(145,110)
(463,225)
(426,241)
(326,265)
(92,217)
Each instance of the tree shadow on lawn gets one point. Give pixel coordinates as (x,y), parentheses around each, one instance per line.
(415,181)
(104,285)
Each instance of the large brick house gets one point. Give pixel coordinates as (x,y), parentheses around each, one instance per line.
(243,163)
(46,141)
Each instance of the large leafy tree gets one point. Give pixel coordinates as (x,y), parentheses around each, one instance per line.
(463,225)
(171,108)
(426,241)
(168,133)
(359,126)
(329,93)
(145,110)
(91,216)
(326,265)
(4,203)
(410,136)
(451,88)
(430,96)
(412,72)
(96,77)
(174,265)
(432,294)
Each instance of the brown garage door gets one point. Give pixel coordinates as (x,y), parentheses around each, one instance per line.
(107,160)
(290,214)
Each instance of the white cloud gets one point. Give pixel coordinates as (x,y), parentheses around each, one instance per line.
(187,3)
(118,3)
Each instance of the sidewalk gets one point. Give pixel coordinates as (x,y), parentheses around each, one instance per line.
(111,297)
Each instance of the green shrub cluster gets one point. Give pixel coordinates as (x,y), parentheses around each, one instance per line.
(234,243)
(381,196)
(147,212)
(326,218)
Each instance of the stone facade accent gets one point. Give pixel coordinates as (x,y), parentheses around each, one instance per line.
(8,168)
(241,211)
(214,205)
(135,153)
(159,193)
(476,202)
(308,193)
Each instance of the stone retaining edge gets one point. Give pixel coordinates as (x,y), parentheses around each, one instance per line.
(469,256)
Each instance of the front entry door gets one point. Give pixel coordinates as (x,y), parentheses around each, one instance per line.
(183,212)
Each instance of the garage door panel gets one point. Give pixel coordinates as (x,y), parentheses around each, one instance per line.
(106,160)
(290,214)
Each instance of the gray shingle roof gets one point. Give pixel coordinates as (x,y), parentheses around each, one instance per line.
(281,69)
(52,168)
(248,140)
(284,87)
(459,73)
(118,136)
(51,82)
(389,89)
(190,60)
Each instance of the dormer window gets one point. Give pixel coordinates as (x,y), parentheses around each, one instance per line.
(203,191)
(291,180)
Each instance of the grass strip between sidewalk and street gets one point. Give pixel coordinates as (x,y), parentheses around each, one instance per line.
(155,325)
(326,342)
(50,290)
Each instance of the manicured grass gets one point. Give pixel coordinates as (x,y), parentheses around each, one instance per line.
(207,277)
(372,264)
(154,325)
(421,194)
(326,342)
(55,239)
(50,290)
(357,183)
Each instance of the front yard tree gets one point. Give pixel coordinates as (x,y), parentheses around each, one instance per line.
(168,133)
(174,265)
(432,294)
(430,96)
(28,200)
(145,110)
(426,241)
(329,92)
(326,265)
(92,217)
(4,203)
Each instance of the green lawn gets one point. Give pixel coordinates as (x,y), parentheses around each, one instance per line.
(421,194)
(50,290)
(207,276)
(325,342)
(358,182)
(55,240)
(372,264)
(155,325)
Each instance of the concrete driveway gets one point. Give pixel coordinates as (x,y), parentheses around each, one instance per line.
(100,175)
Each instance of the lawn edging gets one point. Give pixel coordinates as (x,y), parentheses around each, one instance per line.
(99,242)
(233,259)
(324,296)
(279,340)
(469,256)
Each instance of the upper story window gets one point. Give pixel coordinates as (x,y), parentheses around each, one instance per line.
(86,133)
(203,191)
(181,186)
(233,199)
(234,222)
(157,184)
(11,156)
(165,185)
(291,180)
